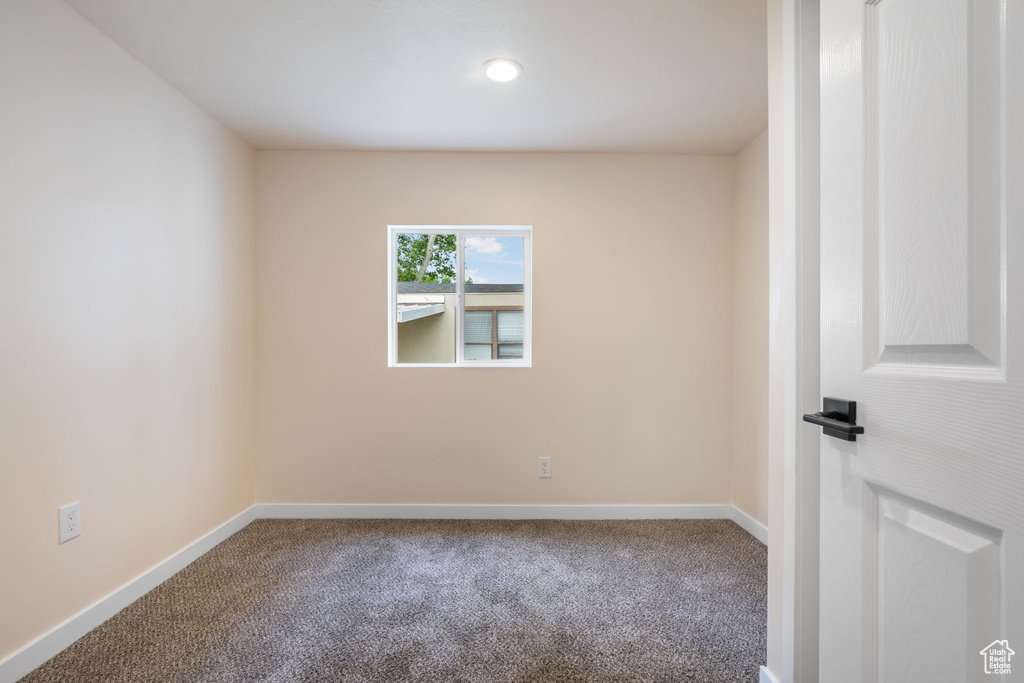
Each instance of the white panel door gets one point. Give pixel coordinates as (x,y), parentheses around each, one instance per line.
(922,177)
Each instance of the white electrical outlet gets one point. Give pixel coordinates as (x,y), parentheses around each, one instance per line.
(544,468)
(70,521)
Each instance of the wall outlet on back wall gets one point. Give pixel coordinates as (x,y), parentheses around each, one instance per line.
(544,468)
(70,521)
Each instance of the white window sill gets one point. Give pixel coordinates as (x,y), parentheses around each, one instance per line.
(470,364)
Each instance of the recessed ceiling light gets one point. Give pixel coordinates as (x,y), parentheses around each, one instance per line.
(502,70)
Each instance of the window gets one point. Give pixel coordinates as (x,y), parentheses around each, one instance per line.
(459,296)
(493,333)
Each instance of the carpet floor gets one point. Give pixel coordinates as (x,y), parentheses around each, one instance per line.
(436,601)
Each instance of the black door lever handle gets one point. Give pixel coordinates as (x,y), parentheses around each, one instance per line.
(829,420)
(838,419)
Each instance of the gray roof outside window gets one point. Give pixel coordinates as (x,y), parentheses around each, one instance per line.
(449,288)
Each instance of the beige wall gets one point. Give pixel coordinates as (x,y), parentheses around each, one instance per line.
(630,389)
(750,332)
(126,306)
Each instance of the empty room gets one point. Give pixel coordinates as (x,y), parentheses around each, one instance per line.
(508,341)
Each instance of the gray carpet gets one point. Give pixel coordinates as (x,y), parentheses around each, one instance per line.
(433,601)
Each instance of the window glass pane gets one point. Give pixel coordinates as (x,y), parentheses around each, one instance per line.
(510,351)
(478,351)
(478,328)
(510,326)
(494,280)
(425,298)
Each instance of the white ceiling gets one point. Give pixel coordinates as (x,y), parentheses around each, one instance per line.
(600,75)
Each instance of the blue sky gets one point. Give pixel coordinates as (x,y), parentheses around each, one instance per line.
(494,260)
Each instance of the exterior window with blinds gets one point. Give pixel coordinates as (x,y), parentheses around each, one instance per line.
(479,336)
(459,296)
(510,333)
(494,333)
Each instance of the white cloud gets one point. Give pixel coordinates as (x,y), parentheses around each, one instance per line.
(471,274)
(484,245)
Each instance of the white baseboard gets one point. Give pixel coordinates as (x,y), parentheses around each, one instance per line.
(485,511)
(750,525)
(766,676)
(23,661)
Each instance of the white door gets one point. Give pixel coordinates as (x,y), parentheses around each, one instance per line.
(922,518)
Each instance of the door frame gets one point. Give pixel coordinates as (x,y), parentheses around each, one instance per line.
(793,354)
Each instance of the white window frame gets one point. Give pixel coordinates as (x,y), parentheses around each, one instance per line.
(461,232)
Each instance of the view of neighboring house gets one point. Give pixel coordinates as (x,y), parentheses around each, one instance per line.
(426,322)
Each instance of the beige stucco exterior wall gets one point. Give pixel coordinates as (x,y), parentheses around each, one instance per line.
(126,307)
(750,332)
(626,391)
(495,299)
(430,339)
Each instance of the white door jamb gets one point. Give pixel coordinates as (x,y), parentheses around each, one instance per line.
(794,389)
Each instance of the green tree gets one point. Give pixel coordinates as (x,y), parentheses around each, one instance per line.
(427,258)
